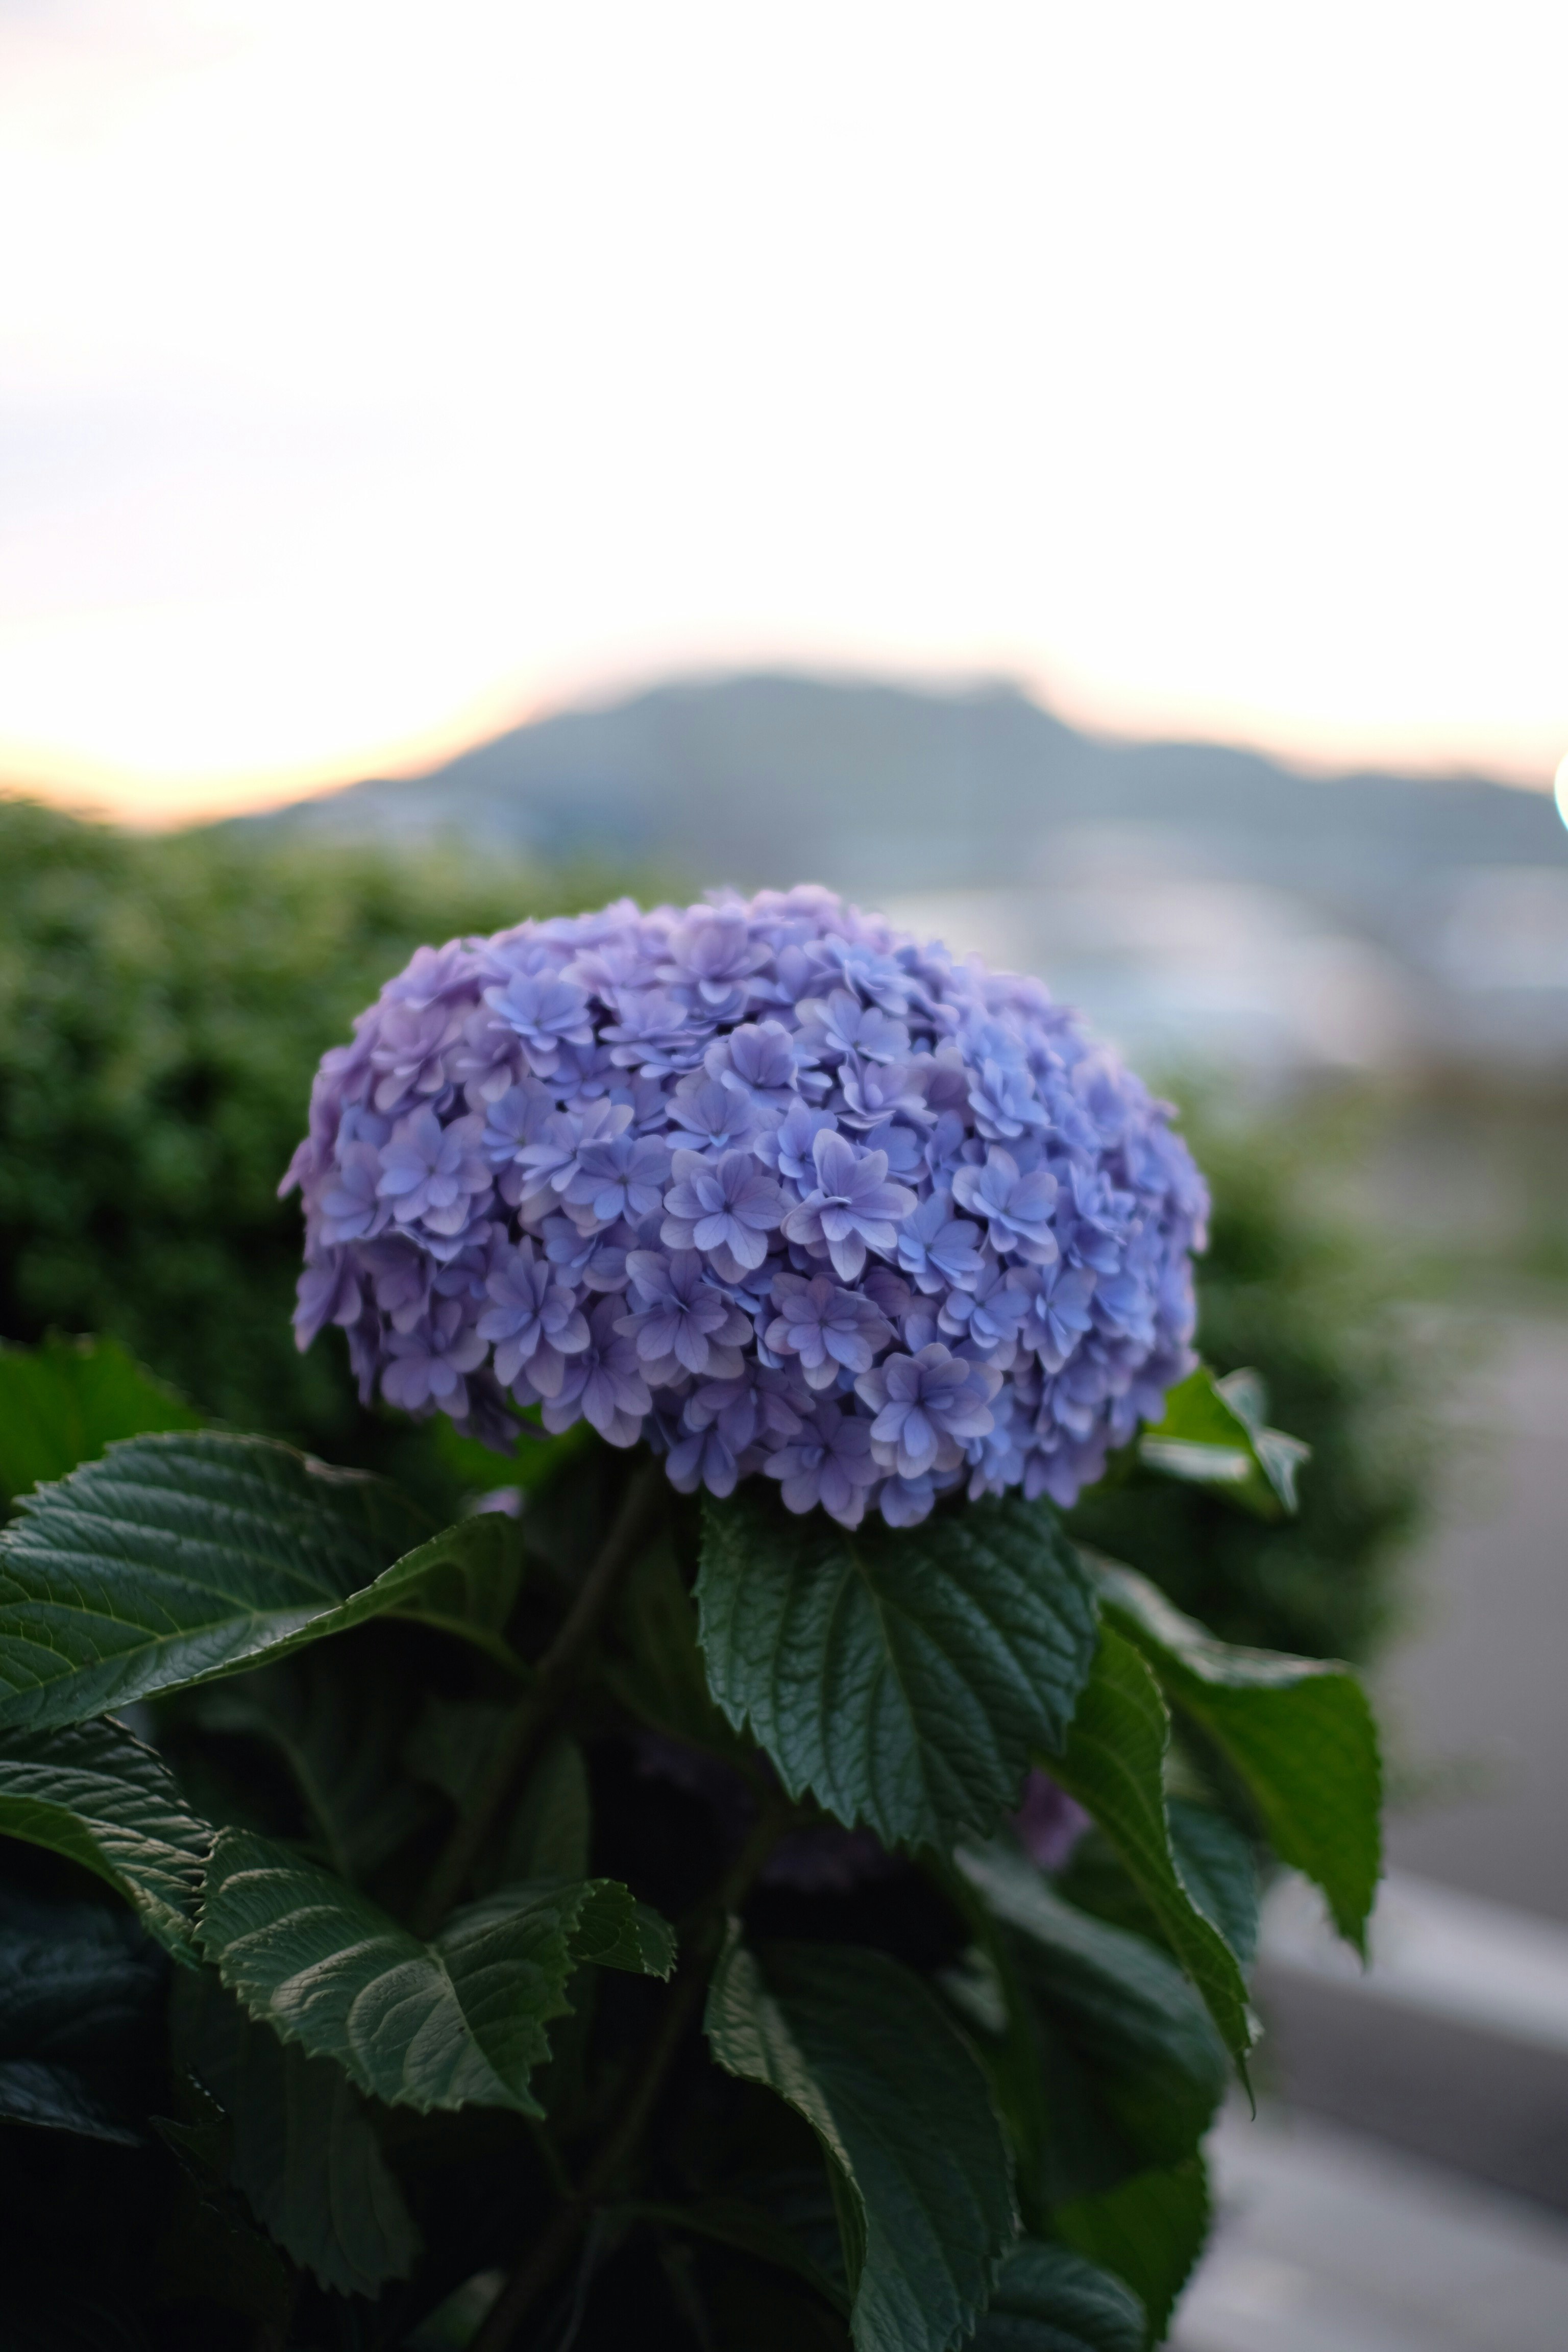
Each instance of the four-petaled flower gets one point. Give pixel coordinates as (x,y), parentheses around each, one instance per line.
(430,1173)
(534,1321)
(684,1323)
(927,1407)
(1017,1208)
(830,1462)
(725,1208)
(830,1330)
(851,1208)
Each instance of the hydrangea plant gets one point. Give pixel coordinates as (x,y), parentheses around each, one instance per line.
(654,1909)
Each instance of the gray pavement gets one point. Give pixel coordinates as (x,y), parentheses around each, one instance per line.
(1330,2242)
(1337,2230)
(1480,1683)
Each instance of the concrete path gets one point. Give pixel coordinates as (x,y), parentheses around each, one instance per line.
(1332,2242)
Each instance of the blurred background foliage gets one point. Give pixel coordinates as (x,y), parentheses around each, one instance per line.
(164,1002)
(1295,1288)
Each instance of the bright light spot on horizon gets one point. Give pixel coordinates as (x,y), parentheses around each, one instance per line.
(1560,788)
(374,376)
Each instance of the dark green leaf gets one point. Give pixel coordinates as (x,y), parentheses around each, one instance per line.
(443,2024)
(903,1677)
(92,1791)
(859,2047)
(53,2315)
(177,1560)
(341,1730)
(211,2250)
(547,1836)
(450,1744)
(1150,2233)
(731,2221)
(659,1674)
(1299,1732)
(62,1404)
(549,1833)
(302,2151)
(1114,1766)
(1131,2065)
(81,1989)
(52,2098)
(1213,1435)
(1049,2299)
(1219,1872)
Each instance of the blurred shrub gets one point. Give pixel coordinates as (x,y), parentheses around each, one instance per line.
(1317,1308)
(164,1002)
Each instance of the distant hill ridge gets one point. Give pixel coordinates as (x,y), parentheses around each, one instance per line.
(881,789)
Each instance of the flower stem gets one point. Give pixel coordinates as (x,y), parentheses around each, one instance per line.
(700,1944)
(528,1724)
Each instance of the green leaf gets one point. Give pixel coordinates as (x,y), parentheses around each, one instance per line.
(1114,1766)
(1150,2233)
(1219,1872)
(54,2316)
(177,1559)
(51,2097)
(859,2047)
(731,2221)
(1213,1435)
(302,2150)
(1297,1730)
(443,2024)
(1131,2066)
(210,2250)
(62,1402)
(1049,2299)
(341,1730)
(92,1791)
(904,1677)
(81,1989)
(659,1675)
(613,1932)
(450,1744)
(549,1833)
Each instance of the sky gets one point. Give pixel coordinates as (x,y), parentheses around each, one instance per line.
(374,375)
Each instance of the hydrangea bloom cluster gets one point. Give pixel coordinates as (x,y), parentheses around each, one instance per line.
(764,1182)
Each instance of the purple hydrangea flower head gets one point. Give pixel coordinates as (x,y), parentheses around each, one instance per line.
(764,1183)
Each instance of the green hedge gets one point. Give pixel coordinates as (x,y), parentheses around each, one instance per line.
(162,1004)
(1304,1299)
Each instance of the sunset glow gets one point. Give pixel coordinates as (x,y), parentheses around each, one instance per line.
(374,376)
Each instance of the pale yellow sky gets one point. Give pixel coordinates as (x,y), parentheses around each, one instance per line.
(371,374)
